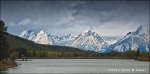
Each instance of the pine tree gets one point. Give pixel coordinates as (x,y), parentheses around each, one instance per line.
(3,42)
(138,52)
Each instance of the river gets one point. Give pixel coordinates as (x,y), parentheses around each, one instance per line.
(80,66)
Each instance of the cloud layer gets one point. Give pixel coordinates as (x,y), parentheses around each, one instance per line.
(107,18)
(25,21)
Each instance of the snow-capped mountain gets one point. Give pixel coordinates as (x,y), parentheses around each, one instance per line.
(65,40)
(89,41)
(111,41)
(28,34)
(134,40)
(43,38)
(40,37)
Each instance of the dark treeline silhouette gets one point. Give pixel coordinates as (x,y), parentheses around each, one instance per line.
(3,42)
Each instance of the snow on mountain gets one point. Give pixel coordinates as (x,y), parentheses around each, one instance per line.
(134,40)
(28,34)
(143,32)
(89,41)
(43,38)
(65,40)
(111,41)
(38,37)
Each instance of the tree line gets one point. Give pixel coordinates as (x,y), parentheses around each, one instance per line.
(34,53)
(44,53)
(3,41)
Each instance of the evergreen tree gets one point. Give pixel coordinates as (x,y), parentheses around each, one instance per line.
(3,42)
(138,52)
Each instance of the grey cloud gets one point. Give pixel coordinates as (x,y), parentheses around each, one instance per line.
(64,26)
(68,15)
(92,7)
(116,15)
(109,10)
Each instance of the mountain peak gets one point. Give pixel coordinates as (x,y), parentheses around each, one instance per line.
(28,31)
(42,31)
(134,40)
(87,31)
(139,29)
(89,41)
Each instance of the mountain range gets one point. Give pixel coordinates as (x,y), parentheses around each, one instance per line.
(91,41)
(22,45)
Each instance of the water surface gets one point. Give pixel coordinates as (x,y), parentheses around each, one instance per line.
(80,66)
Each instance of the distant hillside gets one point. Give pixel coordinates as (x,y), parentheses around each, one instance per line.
(18,42)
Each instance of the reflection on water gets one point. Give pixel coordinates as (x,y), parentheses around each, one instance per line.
(80,66)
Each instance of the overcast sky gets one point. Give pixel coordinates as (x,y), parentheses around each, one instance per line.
(107,18)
